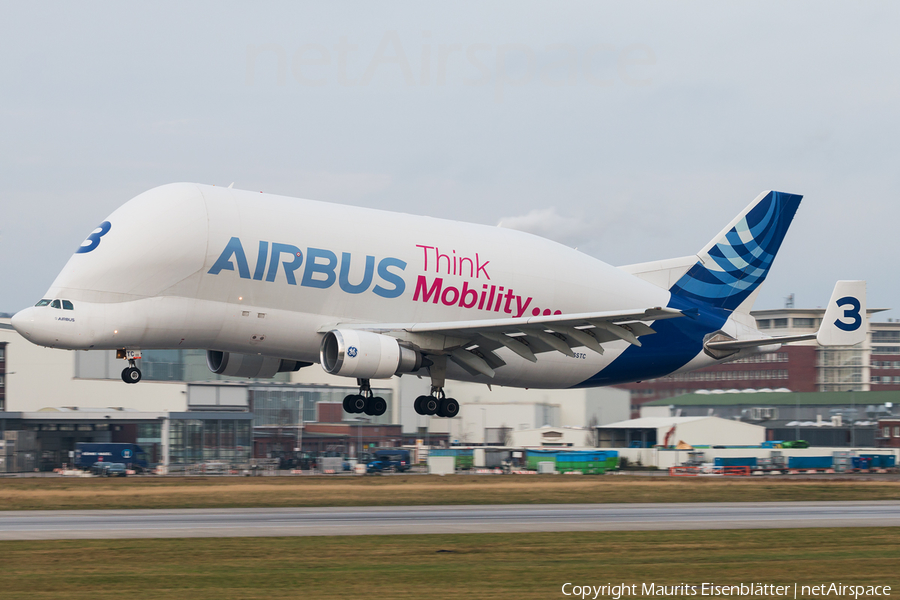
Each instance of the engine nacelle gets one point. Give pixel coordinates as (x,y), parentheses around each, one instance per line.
(366,355)
(249,365)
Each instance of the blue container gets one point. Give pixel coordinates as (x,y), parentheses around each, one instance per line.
(862,462)
(735,461)
(879,461)
(810,462)
(451,452)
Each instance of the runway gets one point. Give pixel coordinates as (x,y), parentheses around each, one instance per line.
(395,520)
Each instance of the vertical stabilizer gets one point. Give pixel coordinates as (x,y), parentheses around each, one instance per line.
(734,264)
(845,322)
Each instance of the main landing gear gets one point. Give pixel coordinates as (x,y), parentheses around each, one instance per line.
(364,401)
(437,404)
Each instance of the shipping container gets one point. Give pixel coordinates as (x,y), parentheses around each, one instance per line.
(810,462)
(589,462)
(880,461)
(465,457)
(736,461)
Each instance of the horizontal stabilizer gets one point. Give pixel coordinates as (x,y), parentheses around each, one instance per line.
(756,343)
(844,324)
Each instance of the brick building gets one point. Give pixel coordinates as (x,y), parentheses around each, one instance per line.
(889,432)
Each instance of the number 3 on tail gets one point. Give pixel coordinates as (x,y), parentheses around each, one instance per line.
(849,313)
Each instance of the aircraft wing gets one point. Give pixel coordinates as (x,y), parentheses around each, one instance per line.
(471,344)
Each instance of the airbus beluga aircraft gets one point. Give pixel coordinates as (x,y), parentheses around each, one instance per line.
(269,284)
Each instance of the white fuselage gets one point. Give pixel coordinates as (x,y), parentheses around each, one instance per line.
(196,266)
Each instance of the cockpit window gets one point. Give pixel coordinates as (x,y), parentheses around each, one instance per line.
(67,305)
(54,304)
(43,302)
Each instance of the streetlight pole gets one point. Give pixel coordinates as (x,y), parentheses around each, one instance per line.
(300,437)
(359,437)
(483,426)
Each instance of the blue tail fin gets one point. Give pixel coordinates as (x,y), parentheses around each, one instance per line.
(734,264)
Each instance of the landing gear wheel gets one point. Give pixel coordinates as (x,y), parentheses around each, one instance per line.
(358,403)
(419,405)
(430,405)
(379,406)
(348,403)
(449,408)
(131,375)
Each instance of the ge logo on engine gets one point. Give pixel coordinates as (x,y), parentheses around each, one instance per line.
(352,351)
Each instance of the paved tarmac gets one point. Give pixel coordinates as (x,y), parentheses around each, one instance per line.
(393,520)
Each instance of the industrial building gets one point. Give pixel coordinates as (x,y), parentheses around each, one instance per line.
(647,432)
(169,438)
(553,437)
(820,418)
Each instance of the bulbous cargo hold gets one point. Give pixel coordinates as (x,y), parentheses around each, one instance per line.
(366,355)
(249,365)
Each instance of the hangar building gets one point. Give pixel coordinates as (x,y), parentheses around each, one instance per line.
(695,431)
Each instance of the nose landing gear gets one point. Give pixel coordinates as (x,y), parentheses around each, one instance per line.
(130,374)
(365,401)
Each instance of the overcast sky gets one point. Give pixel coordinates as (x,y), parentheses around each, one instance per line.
(634,131)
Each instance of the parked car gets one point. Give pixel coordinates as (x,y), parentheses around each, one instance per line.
(109,469)
(389,459)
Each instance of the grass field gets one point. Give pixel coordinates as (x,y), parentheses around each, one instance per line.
(442,566)
(211,492)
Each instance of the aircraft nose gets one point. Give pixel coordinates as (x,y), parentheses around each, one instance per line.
(23,322)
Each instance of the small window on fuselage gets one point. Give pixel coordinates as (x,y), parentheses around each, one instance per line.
(67,305)
(54,304)
(43,302)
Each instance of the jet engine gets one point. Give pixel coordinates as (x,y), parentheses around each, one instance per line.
(249,365)
(367,355)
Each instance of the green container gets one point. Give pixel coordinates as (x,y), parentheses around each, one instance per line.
(593,462)
(464,461)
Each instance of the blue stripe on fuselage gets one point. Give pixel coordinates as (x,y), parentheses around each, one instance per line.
(674,344)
